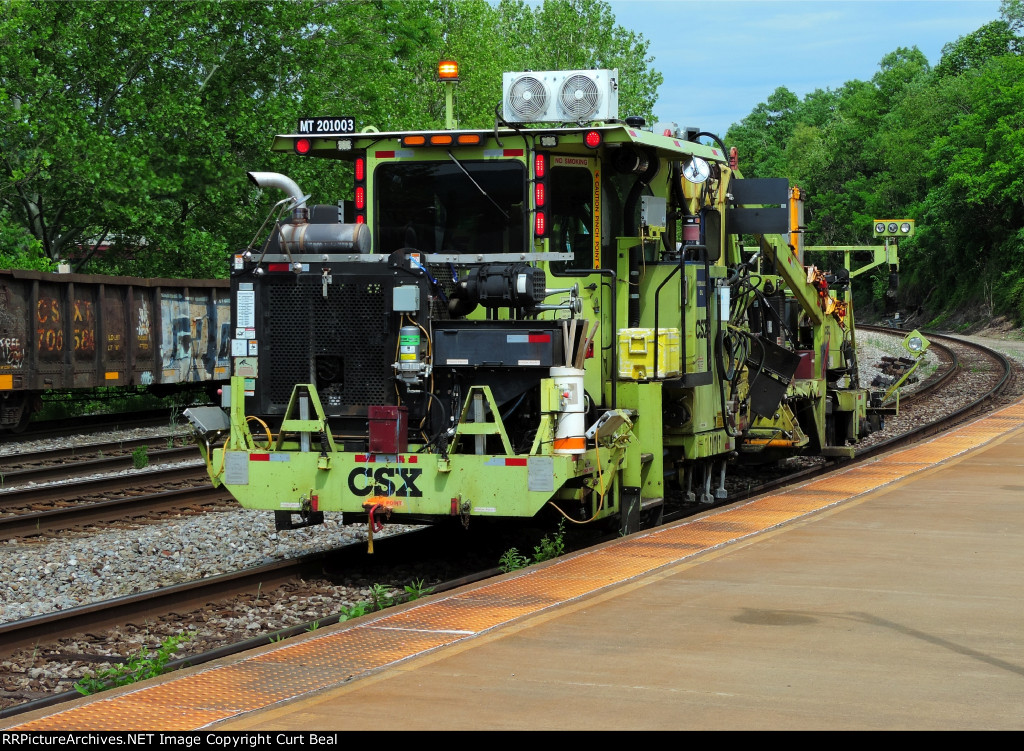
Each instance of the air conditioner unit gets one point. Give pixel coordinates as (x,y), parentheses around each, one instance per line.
(560,96)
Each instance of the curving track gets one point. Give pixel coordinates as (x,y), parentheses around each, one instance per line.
(969,379)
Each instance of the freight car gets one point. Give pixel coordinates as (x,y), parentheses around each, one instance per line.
(557,316)
(78,332)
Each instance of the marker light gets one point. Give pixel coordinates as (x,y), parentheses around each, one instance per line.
(448,70)
(592,139)
(359,188)
(540,191)
(414,140)
(303,145)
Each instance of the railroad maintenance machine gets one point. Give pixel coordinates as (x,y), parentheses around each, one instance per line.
(554,316)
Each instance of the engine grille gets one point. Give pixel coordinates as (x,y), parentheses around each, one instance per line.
(350,324)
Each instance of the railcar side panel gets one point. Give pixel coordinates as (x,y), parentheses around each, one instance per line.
(78,331)
(195,335)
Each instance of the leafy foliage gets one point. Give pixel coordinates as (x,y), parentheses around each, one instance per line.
(139,667)
(512,560)
(127,128)
(943,146)
(550,547)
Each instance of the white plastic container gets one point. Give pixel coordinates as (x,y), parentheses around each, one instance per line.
(570,432)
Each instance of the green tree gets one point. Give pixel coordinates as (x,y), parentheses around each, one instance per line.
(761,137)
(973,50)
(130,126)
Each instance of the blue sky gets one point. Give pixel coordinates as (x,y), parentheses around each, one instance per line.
(720,58)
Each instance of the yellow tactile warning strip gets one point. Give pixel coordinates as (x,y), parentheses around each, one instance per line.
(201,698)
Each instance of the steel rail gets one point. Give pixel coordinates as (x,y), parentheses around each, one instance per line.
(88,467)
(27,496)
(115,510)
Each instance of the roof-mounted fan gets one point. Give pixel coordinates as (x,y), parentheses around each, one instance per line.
(527,97)
(553,96)
(579,97)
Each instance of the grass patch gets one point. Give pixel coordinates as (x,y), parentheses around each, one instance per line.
(112,400)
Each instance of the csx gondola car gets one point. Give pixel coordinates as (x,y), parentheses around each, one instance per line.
(555,315)
(79,332)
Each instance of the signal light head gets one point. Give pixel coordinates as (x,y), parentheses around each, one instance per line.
(893,227)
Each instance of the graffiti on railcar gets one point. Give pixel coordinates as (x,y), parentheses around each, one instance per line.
(194,337)
(143,327)
(12,353)
(12,345)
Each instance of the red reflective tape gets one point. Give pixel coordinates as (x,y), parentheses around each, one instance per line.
(513,152)
(279,267)
(385,155)
(515,462)
(314,503)
(540,338)
(360,457)
(259,457)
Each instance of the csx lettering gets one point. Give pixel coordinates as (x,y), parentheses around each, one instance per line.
(383,481)
(47,310)
(83,311)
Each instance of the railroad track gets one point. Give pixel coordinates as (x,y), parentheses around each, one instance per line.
(120,511)
(62,464)
(91,424)
(964,360)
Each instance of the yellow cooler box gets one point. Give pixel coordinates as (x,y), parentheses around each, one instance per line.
(636,354)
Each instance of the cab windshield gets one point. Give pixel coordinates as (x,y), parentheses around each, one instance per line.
(457,207)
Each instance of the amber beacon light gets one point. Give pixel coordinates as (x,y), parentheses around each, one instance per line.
(448,70)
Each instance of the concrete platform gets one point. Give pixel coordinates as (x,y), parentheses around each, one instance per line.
(888,597)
